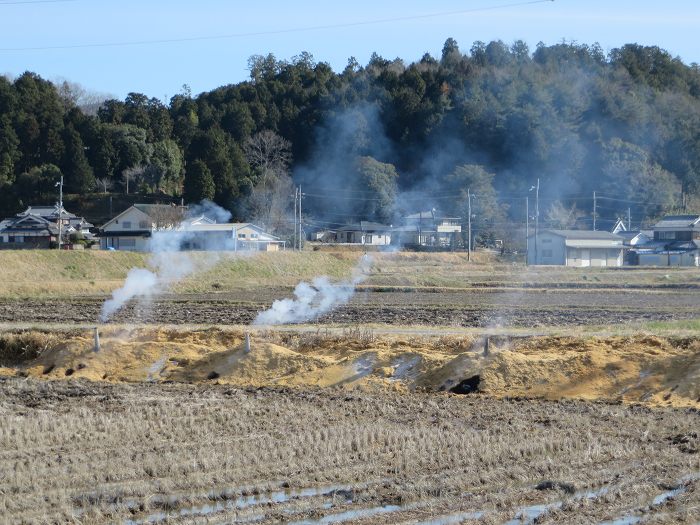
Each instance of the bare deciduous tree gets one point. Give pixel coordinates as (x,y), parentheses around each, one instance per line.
(269,155)
(134,174)
(166,216)
(104,184)
(561,217)
(75,95)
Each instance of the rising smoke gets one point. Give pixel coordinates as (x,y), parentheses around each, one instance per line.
(314,299)
(168,263)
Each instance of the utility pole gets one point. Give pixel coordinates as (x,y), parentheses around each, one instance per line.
(527,228)
(60,212)
(537,216)
(294,245)
(469,224)
(629,219)
(300,227)
(594,210)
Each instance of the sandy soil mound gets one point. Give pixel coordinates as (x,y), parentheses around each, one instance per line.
(644,369)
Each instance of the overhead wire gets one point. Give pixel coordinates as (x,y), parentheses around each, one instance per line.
(270,32)
(19,2)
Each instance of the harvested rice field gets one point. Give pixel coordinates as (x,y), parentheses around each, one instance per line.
(439,392)
(92,452)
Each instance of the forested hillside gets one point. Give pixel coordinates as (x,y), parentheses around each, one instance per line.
(380,140)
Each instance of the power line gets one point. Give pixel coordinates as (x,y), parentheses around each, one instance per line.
(632,201)
(270,32)
(19,2)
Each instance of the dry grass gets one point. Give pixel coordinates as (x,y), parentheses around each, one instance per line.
(91,453)
(70,274)
(639,369)
(23,346)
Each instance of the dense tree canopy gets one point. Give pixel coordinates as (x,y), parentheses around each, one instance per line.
(497,118)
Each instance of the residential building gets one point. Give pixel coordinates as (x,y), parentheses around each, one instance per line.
(27,232)
(38,227)
(428,229)
(201,234)
(632,237)
(575,248)
(676,242)
(144,227)
(364,232)
(70,223)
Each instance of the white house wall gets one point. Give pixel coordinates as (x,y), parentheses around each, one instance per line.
(135,219)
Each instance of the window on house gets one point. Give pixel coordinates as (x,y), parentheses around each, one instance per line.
(241,235)
(126,225)
(143,225)
(667,236)
(127,243)
(11,238)
(546,253)
(253,235)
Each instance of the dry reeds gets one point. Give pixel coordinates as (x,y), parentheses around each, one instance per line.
(19,347)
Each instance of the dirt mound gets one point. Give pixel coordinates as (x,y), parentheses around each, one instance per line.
(644,369)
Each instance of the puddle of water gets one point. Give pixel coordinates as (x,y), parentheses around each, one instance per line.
(354,514)
(665,496)
(658,500)
(242,502)
(449,519)
(625,520)
(530,513)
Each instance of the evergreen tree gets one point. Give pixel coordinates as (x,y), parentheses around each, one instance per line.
(199,183)
(75,166)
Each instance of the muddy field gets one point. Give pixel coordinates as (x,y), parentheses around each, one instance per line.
(475,308)
(78,452)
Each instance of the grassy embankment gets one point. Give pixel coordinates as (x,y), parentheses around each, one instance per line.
(66,274)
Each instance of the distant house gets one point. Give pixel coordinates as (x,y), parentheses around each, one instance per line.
(575,248)
(364,232)
(38,227)
(141,226)
(634,240)
(27,232)
(676,242)
(70,223)
(201,234)
(132,228)
(429,229)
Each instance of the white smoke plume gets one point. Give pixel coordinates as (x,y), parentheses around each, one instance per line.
(313,299)
(168,262)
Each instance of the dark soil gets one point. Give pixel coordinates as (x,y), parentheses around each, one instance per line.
(464,309)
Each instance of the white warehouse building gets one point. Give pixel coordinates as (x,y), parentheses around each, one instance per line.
(576,248)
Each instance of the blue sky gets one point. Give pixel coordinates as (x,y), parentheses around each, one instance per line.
(160,69)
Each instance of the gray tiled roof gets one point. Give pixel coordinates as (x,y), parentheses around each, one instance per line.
(365,226)
(586,234)
(678,221)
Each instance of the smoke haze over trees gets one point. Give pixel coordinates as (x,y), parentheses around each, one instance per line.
(378,141)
